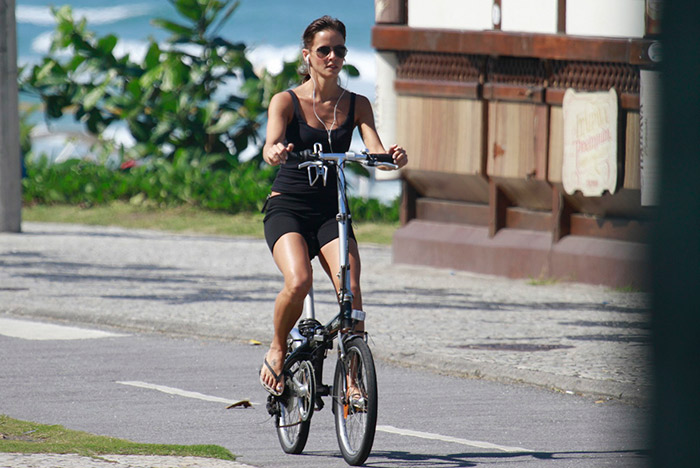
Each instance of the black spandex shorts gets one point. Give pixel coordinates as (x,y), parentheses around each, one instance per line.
(310,216)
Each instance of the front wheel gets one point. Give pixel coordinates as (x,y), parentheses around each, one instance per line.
(296,405)
(355,401)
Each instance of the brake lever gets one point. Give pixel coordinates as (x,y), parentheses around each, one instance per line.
(306,164)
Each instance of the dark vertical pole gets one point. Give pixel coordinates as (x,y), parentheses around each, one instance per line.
(10,167)
(561,16)
(390,11)
(652,17)
(676,246)
(561,215)
(498,208)
(497,14)
(409,200)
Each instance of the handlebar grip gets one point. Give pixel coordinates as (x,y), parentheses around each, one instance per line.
(300,156)
(382,158)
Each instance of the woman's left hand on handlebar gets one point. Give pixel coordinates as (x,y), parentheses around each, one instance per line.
(399,155)
(277,154)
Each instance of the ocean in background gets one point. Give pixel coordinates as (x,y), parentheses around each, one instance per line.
(270,28)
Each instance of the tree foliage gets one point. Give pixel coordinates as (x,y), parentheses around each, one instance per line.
(168,100)
(172,102)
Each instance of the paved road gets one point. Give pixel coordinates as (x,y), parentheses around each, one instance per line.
(571,337)
(565,338)
(155,388)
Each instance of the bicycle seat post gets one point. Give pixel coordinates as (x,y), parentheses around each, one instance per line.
(309,309)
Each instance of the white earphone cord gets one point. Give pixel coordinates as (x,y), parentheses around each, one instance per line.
(335,109)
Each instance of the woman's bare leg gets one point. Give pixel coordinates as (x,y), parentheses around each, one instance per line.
(330,262)
(291,256)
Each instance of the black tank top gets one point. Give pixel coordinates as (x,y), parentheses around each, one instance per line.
(291,179)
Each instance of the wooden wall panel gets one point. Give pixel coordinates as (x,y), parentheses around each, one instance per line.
(517,140)
(530,194)
(446,186)
(442,134)
(556,144)
(632,170)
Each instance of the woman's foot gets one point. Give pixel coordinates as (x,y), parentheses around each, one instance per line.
(356,397)
(354,393)
(271,377)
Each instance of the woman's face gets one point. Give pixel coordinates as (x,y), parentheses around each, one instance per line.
(327,60)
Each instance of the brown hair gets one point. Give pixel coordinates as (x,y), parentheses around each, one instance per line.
(323,23)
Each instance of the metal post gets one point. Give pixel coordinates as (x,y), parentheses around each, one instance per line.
(676,248)
(10,167)
(309,306)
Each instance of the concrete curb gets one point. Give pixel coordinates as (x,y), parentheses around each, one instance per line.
(51,460)
(637,395)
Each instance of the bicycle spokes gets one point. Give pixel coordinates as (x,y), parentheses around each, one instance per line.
(295,407)
(355,392)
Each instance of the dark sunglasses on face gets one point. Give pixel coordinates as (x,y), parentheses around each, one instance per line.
(339,51)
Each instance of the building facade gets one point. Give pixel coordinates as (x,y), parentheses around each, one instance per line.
(530,152)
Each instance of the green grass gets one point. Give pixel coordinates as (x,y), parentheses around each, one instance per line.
(542,281)
(28,437)
(184,219)
(628,289)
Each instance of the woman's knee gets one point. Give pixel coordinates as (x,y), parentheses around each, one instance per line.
(298,284)
(291,255)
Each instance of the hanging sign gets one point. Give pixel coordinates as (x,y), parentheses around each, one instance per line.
(590,142)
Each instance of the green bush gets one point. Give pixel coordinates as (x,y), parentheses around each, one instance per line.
(181,182)
(184,181)
(373,210)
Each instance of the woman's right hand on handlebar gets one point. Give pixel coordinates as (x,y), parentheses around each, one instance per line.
(276,154)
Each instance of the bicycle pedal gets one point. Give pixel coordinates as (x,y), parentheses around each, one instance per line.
(319,403)
(273,408)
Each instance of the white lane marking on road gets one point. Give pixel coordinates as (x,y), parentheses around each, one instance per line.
(456,440)
(28,330)
(182,393)
(387,429)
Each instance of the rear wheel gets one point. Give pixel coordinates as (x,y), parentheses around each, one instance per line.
(296,405)
(355,401)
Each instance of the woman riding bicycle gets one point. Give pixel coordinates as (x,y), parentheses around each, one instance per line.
(300,220)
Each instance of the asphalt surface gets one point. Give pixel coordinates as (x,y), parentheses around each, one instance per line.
(155,388)
(566,337)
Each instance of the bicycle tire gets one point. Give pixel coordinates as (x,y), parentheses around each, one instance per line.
(296,406)
(355,422)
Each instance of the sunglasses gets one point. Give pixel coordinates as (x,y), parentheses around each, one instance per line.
(340,51)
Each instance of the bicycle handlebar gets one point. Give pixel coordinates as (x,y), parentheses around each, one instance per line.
(367,159)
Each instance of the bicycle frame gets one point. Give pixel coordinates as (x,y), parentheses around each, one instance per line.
(344,320)
(310,341)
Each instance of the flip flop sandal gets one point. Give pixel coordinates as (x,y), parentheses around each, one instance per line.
(277,378)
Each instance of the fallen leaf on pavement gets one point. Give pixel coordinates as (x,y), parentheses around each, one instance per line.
(240,404)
